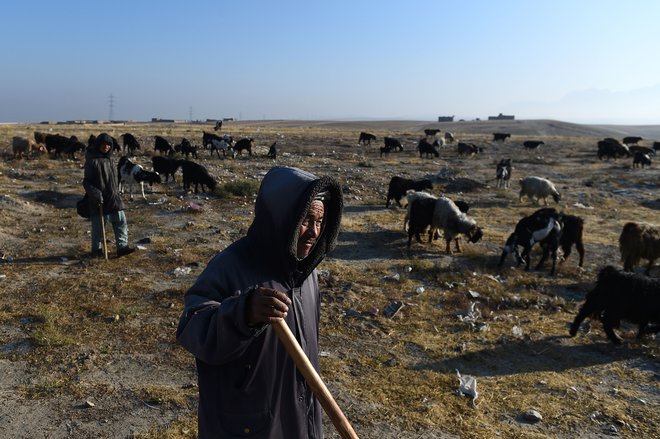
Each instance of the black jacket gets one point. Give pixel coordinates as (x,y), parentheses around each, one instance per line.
(100,181)
(248,384)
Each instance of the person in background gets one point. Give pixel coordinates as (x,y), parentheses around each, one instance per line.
(101,186)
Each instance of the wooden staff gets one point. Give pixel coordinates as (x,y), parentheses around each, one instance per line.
(314,380)
(105,246)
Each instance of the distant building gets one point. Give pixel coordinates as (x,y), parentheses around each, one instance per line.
(445,118)
(502,117)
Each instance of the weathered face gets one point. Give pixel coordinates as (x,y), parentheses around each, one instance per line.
(310,229)
(105,147)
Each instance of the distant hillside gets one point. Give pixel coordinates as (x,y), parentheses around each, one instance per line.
(520,127)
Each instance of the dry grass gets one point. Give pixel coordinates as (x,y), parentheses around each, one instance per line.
(76,329)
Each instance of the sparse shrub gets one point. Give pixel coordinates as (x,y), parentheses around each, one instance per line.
(239,188)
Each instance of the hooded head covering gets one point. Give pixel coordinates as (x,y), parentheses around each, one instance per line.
(103,138)
(283,200)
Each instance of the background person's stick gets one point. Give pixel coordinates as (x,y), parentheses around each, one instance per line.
(314,380)
(105,246)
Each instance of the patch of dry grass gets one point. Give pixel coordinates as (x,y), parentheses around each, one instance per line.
(84,317)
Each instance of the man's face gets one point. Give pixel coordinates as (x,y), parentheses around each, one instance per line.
(310,229)
(105,147)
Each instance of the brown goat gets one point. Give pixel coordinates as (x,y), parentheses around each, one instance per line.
(639,241)
(23,147)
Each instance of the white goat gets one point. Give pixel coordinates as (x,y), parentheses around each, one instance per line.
(537,187)
(448,217)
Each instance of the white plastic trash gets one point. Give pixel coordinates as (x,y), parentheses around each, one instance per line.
(467,386)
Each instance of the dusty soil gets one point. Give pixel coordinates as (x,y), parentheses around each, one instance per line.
(87,347)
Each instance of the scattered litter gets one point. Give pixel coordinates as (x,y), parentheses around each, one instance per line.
(419,290)
(582,206)
(532,416)
(181,271)
(467,386)
(89,404)
(474,294)
(324,354)
(394,277)
(352,313)
(392,309)
(141,247)
(195,207)
(473,314)
(373,311)
(517,331)
(497,278)
(3,276)
(408,269)
(161,200)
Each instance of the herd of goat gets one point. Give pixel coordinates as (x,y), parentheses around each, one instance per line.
(618,294)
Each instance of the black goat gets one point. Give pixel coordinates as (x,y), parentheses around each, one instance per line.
(194,173)
(543,226)
(399,186)
(424,147)
(166,166)
(621,296)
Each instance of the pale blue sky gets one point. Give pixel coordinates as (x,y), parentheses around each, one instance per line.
(584,61)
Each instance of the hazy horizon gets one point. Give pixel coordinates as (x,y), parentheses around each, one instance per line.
(587,62)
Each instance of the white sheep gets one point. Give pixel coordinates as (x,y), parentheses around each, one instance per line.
(448,217)
(537,187)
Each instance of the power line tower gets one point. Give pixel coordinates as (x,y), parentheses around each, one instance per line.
(190,112)
(111,102)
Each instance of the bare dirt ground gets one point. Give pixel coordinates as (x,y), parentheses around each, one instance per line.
(87,347)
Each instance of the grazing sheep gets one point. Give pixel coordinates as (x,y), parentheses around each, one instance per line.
(69,148)
(166,166)
(366,138)
(196,174)
(161,144)
(207,139)
(468,148)
(539,188)
(40,137)
(421,217)
(503,173)
(500,137)
(448,217)
(639,241)
(130,143)
(533,144)
(431,132)
(643,149)
(621,296)
(23,147)
(611,148)
(244,144)
(656,146)
(449,137)
(572,234)
(631,140)
(399,186)
(424,147)
(272,151)
(641,159)
(543,226)
(186,148)
(130,173)
(411,197)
